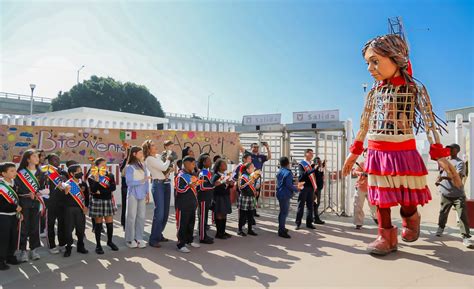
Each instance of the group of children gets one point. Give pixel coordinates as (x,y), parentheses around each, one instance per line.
(35,191)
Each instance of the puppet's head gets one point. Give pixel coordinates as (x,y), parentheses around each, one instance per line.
(387,58)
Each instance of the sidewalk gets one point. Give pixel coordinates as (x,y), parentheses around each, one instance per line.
(332,256)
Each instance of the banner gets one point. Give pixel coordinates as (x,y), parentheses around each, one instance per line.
(84,144)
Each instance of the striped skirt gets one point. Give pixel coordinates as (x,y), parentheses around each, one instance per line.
(396,172)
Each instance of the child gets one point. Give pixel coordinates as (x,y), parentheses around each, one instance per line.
(75,205)
(186,204)
(247,199)
(55,203)
(102,205)
(30,181)
(285,190)
(138,196)
(205,196)
(222,204)
(10,214)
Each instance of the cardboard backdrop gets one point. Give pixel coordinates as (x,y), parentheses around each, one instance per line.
(83,144)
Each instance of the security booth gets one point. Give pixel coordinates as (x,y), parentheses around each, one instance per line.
(327,139)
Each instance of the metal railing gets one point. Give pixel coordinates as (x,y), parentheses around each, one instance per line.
(202,118)
(25,97)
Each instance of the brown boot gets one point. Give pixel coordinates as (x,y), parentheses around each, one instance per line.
(411,227)
(386,242)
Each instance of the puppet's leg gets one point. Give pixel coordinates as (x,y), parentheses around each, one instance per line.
(411,223)
(387,238)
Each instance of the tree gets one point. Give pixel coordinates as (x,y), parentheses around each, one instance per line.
(107,93)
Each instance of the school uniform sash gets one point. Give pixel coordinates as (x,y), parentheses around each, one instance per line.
(104,181)
(247,183)
(312,177)
(7,192)
(31,182)
(188,179)
(76,194)
(205,173)
(52,174)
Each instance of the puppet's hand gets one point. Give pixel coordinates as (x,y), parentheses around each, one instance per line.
(451,171)
(349,163)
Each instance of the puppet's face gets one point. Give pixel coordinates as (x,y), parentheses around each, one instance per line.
(380,67)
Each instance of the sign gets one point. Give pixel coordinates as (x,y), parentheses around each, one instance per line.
(85,144)
(316,116)
(262,119)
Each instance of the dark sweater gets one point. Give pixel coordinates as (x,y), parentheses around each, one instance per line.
(5,206)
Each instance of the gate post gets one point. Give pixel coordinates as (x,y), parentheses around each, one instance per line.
(349,192)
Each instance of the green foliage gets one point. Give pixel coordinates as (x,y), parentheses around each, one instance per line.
(107,93)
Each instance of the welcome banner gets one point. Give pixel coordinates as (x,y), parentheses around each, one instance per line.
(84,144)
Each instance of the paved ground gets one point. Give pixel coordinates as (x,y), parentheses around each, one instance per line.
(333,256)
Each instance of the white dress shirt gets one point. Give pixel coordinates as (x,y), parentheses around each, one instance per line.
(156,167)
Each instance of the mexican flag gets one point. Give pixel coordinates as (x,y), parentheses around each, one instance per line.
(128,135)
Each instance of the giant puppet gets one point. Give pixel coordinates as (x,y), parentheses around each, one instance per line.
(396,108)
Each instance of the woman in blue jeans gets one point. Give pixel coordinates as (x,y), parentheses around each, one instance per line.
(161,188)
(285,190)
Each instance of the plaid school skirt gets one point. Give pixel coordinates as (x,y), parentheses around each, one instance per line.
(246,203)
(101,208)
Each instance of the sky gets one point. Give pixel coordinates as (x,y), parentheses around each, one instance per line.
(251,57)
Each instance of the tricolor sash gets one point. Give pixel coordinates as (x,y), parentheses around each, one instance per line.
(312,177)
(8,193)
(188,179)
(75,193)
(31,182)
(52,174)
(104,181)
(246,178)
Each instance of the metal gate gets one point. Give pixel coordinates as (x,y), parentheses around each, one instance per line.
(329,145)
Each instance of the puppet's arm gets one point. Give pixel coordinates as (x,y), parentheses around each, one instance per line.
(357,148)
(437,152)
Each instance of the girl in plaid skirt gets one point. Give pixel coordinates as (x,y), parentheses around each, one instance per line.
(247,199)
(102,205)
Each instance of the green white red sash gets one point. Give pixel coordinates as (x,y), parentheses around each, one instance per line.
(8,193)
(31,182)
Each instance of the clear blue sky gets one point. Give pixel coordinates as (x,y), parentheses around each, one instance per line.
(253,56)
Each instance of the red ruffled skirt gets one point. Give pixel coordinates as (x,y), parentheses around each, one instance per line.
(397,173)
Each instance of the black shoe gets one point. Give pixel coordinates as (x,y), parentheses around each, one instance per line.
(376,221)
(221,237)
(13,261)
(253,222)
(358,227)
(82,250)
(227,235)
(286,230)
(4,266)
(112,246)
(99,250)
(284,235)
(241,233)
(319,222)
(68,252)
(257,215)
(206,241)
(310,226)
(251,233)
(164,240)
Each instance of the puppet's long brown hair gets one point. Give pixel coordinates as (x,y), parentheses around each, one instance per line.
(394,47)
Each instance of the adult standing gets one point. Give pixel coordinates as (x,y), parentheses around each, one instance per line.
(361,195)
(161,188)
(306,174)
(320,166)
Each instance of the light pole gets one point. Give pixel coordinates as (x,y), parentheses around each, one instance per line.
(208,101)
(32,86)
(364,86)
(78,73)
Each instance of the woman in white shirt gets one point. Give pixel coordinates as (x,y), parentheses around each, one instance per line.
(161,188)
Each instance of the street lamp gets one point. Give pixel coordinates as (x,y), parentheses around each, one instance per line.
(32,86)
(78,73)
(364,86)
